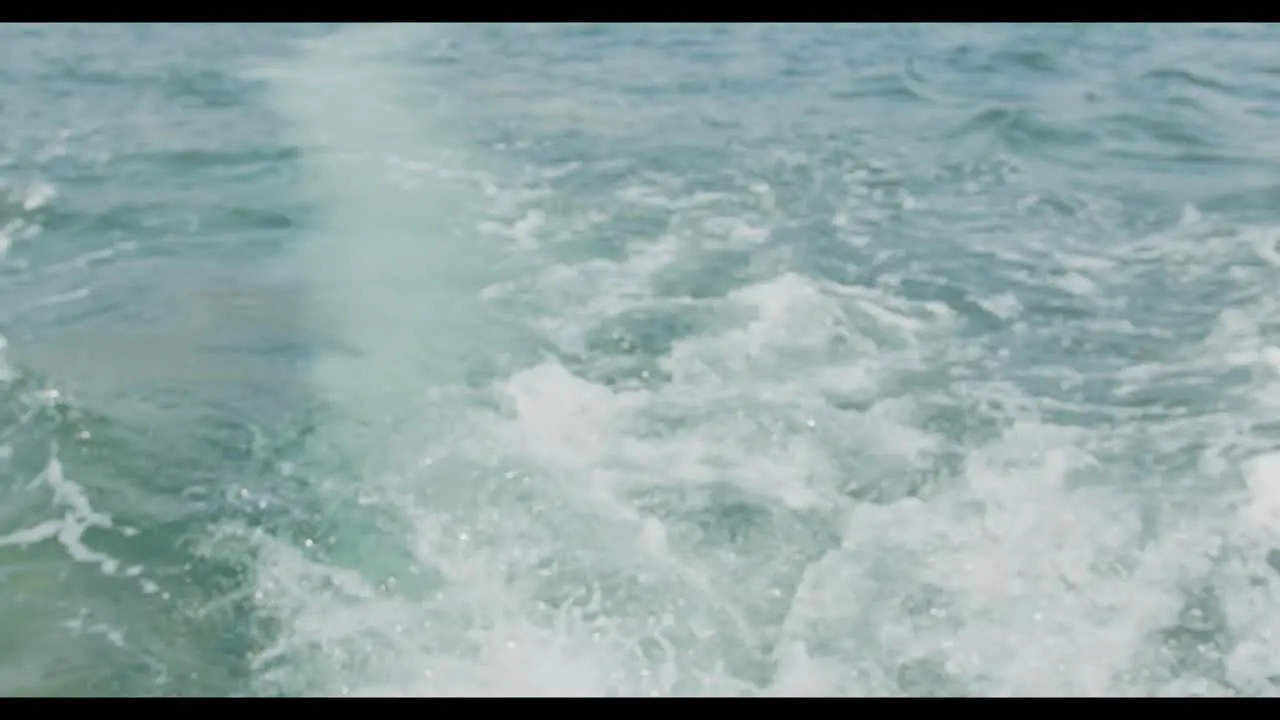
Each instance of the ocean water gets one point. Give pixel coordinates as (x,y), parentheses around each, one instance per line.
(640,360)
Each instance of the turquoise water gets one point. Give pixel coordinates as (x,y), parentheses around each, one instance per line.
(640,360)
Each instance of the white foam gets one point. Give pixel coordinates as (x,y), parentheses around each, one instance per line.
(555,532)
(392,269)
(69,530)
(37,196)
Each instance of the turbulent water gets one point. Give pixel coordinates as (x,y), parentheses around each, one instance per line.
(640,360)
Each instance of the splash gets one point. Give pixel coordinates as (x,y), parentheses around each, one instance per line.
(735,470)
